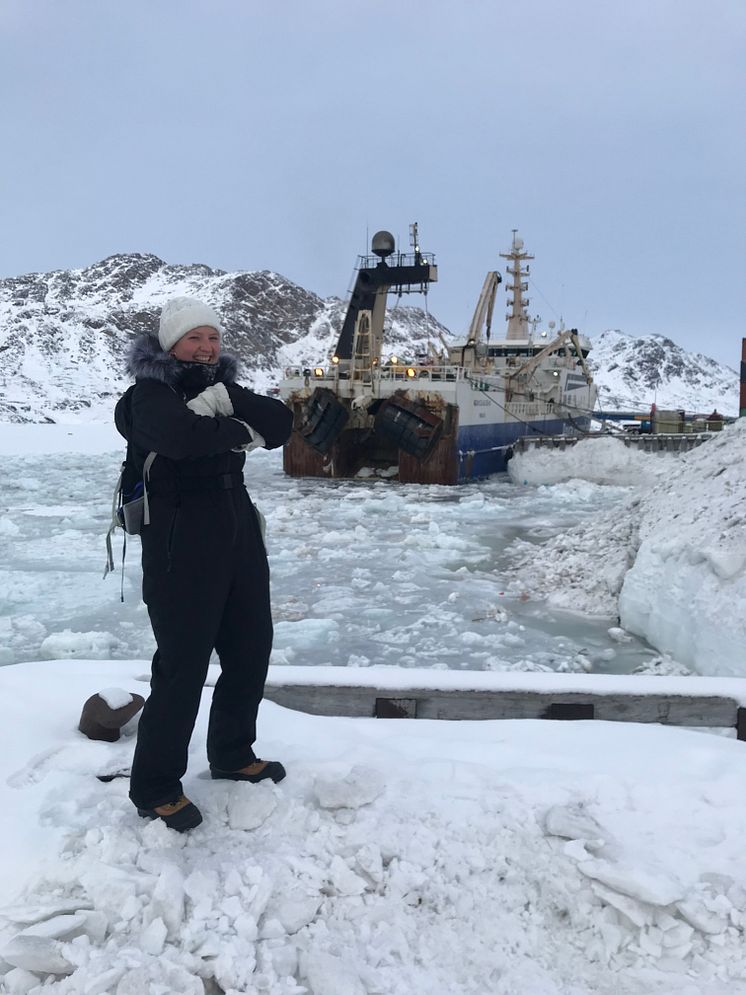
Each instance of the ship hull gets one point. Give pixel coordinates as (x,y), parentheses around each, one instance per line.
(485,449)
(477,433)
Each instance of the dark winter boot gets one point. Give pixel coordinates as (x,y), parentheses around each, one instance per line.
(179,815)
(257,771)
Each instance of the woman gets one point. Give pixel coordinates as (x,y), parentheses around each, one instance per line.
(205,573)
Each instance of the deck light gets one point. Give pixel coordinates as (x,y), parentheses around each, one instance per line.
(394,360)
(335,360)
(411,372)
(318,371)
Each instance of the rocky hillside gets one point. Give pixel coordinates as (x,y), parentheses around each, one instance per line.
(64,336)
(633,372)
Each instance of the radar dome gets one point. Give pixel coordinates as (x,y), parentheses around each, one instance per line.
(383,244)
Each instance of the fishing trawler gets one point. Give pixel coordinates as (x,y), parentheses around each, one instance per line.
(449,417)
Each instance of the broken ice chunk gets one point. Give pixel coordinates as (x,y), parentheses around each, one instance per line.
(644,883)
(56,927)
(360,787)
(329,975)
(573,822)
(249,808)
(696,914)
(638,913)
(40,954)
(294,910)
(343,880)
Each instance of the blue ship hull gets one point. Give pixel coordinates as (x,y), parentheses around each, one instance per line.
(485,449)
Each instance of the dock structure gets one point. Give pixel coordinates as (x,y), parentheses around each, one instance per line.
(387,693)
(674,443)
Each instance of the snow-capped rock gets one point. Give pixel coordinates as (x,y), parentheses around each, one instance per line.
(633,372)
(64,335)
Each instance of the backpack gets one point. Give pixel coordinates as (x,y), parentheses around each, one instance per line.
(129,507)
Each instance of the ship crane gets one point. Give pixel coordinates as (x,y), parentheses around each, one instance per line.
(565,338)
(485,307)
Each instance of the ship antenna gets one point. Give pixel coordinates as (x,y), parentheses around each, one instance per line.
(518,316)
(414,241)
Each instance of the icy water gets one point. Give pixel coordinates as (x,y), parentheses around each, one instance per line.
(363,572)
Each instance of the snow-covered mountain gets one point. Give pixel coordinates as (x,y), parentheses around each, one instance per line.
(632,372)
(64,336)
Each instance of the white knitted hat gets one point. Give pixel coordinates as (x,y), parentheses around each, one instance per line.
(180,315)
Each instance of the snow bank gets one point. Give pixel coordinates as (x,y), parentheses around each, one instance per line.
(686,590)
(601,459)
(670,561)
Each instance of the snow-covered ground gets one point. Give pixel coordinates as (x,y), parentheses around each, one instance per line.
(398,857)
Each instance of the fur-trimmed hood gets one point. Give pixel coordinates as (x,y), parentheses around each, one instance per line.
(147,361)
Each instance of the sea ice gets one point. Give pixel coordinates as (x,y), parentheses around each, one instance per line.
(94,645)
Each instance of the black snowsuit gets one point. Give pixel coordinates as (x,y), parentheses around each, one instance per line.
(205,573)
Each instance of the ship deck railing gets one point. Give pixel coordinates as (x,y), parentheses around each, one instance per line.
(397,259)
(677,442)
(414,373)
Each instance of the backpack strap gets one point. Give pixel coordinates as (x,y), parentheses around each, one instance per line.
(109,567)
(145,478)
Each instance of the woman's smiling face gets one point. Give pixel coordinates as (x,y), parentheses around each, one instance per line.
(200,345)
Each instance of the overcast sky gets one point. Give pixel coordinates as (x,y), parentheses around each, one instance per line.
(272,134)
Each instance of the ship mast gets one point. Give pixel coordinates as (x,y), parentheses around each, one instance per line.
(517,318)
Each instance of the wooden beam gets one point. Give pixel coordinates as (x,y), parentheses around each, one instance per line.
(428,703)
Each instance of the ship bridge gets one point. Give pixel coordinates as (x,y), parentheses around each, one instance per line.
(377,274)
